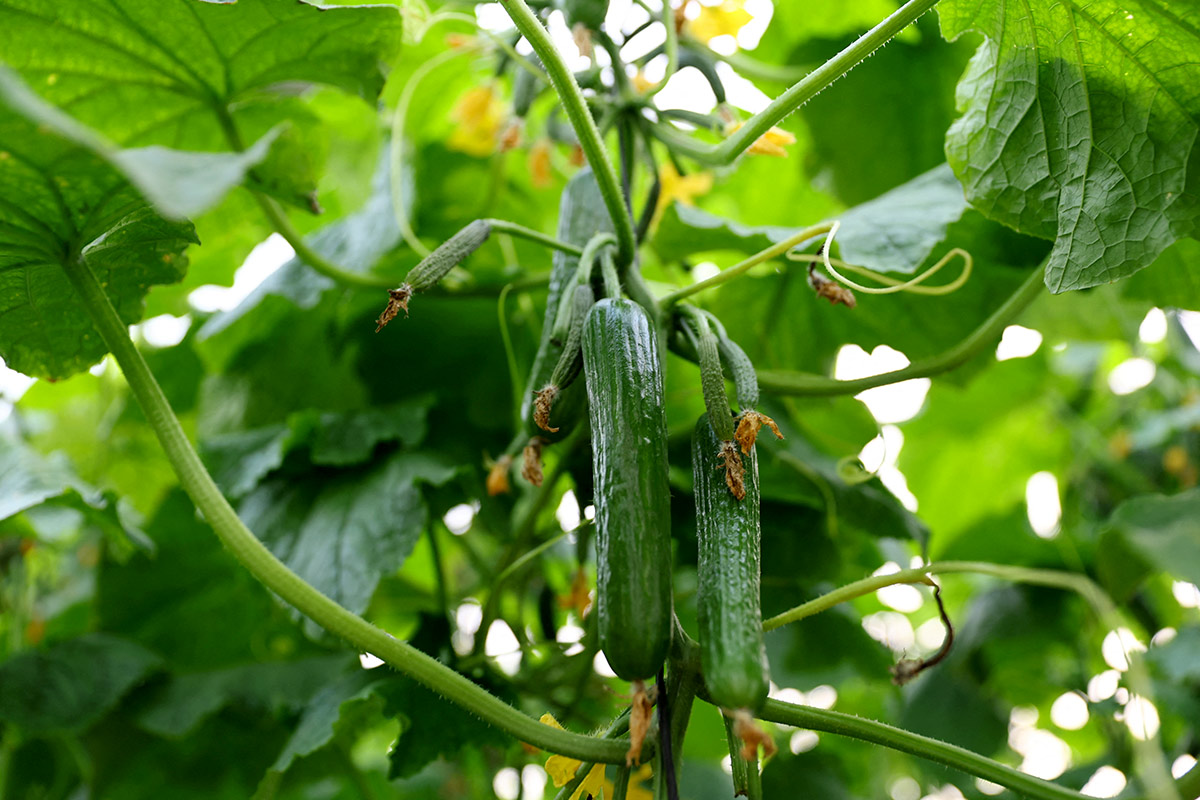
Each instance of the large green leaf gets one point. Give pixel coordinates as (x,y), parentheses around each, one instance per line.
(191,601)
(342,532)
(188,699)
(179,184)
(895,232)
(71,685)
(1079,124)
(202,75)
(60,202)
(239,461)
(1165,530)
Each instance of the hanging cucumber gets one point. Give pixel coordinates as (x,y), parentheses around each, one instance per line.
(733,657)
(633,509)
(731,638)
(582,214)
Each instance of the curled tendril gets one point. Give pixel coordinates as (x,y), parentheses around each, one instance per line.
(890,285)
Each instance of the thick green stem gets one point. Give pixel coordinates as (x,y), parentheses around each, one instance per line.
(800,384)
(273,574)
(797,95)
(914,744)
(571,97)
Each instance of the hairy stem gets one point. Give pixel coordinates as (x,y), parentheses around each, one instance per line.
(798,94)
(1152,764)
(573,103)
(276,576)
(914,744)
(801,384)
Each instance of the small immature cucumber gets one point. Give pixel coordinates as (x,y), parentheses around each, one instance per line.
(732,654)
(633,508)
(582,214)
(570,363)
(431,269)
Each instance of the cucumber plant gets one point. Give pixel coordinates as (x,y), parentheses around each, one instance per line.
(357,464)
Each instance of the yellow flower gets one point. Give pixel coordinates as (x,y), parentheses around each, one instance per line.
(478,114)
(636,790)
(770,143)
(562,769)
(539,163)
(725,19)
(684,188)
(641,83)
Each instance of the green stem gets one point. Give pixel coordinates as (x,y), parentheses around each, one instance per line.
(914,744)
(571,97)
(726,275)
(283,226)
(801,384)
(276,576)
(1152,764)
(529,234)
(798,94)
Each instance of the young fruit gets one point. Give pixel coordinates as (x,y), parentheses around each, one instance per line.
(633,513)
(582,214)
(732,654)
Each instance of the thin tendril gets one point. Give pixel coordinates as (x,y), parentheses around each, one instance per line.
(891,285)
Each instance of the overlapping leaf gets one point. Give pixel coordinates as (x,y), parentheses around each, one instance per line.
(202,75)
(61,202)
(1079,124)
(71,685)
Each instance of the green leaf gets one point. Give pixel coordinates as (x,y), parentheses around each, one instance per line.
(179,184)
(190,602)
(71,685)
(29,480)
(1165,530)
(202,75)
(864,143)
(59,202)
(239,461)
(1179,659)
(342,532)
(959,456)
(331,712)
(189,699)
(431,728)
(1079,124)
(895,232)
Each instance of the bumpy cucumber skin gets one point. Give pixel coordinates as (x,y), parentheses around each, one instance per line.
(582,214)
(733,656)
(633,503)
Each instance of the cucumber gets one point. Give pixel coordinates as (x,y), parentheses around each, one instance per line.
(582,215)
(733,657)
(633,507)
